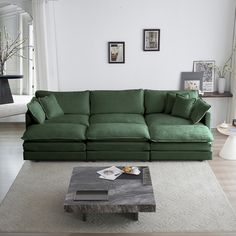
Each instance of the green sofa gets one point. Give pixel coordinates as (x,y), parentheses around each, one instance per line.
(116,125)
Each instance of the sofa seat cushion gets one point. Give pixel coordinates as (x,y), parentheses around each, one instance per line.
(118,131)
(180,146)
(55,132)
(117,118)
(54,146)
(180,133)
(71,119)
(117,146)
(165,119)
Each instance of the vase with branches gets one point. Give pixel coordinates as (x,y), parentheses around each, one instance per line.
(9,48)
(223,71)
(227,67)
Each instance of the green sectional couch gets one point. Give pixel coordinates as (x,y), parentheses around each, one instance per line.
(115,125)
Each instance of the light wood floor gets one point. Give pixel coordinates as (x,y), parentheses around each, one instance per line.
(224,170)
(11,162)
(10,154)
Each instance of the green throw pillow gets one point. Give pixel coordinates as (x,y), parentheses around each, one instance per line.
(183,107)
(170,100)
(36,111)
(199,110)
(50,106)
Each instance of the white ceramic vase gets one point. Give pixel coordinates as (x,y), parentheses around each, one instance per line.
(221,85)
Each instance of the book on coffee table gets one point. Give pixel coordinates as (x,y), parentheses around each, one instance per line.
(110,173)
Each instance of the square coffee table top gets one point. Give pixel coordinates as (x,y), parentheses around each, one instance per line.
(127,194)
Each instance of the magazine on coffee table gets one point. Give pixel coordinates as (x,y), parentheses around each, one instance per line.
(110,173)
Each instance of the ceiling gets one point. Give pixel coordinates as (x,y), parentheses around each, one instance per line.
(2,4)
(8,8)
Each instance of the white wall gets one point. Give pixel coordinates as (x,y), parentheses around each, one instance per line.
(219,110)
(190,30)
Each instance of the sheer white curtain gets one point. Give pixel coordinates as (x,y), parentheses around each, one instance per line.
(45,45)
(233,91)
(233,76)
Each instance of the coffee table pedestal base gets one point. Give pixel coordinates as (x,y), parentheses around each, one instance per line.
(84,216)
(135,216)
(228,151)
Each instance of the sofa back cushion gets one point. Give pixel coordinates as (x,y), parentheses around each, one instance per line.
(155,100)
(123,101)
(70,102)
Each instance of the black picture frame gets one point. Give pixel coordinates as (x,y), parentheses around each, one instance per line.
(116,52)
(151,40)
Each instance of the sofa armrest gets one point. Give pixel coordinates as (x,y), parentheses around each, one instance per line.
(206,120)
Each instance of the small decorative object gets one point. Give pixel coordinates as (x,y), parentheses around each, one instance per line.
(127,169)
(116,52)
(151,40)
(9,47)
(207,67)
(234,122)
(131,170)
(224,125)
(221,85)
(191,80)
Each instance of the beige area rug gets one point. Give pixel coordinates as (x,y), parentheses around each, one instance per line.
(188,197)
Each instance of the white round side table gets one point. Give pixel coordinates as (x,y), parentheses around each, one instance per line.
(229,149)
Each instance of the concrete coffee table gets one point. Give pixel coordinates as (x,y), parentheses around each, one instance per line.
(127,194)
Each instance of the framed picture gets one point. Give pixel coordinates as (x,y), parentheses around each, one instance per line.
(207,67)
(116,52)
(191,80)
(151,40)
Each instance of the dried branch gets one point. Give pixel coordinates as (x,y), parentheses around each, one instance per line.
(10,48)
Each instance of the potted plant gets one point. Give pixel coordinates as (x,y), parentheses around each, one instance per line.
(9,47)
